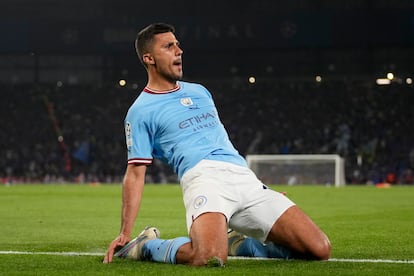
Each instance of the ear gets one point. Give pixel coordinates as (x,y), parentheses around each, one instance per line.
(148,59)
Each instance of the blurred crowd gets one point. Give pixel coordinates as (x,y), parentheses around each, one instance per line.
(75,133)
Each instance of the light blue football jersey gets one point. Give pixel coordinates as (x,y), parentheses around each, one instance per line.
(180,127)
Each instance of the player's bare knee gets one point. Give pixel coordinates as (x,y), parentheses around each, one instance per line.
(209,258)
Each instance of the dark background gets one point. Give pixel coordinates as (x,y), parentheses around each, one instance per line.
(60,63)
(93,40)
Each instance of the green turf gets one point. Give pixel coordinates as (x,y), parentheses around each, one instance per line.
(361,222)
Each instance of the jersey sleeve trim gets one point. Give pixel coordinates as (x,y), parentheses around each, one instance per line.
(140,161)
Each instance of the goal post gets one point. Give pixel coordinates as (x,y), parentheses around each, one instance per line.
(292,169)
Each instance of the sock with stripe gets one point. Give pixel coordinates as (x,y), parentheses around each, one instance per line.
(163,251)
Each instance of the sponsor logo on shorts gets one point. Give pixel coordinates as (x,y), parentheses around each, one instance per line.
(200,201)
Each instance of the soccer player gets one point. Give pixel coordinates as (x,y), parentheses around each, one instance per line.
(177,122)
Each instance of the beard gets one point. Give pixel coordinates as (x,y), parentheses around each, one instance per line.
(169,75)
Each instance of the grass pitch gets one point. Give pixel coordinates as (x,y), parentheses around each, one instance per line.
(366,226)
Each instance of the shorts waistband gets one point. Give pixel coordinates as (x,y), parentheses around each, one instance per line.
(207,163)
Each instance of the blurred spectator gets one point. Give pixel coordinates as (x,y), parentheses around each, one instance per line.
(369,126)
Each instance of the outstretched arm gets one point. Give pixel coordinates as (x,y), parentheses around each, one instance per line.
(133,186)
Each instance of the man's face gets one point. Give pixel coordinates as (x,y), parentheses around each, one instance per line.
(166,57)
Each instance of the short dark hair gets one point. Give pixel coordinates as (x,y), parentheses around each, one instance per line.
(145,37)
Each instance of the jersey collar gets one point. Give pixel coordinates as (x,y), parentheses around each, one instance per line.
(152,91)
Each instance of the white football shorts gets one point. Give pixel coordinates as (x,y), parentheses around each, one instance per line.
(250,206)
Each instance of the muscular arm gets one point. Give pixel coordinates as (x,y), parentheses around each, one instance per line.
(133,186)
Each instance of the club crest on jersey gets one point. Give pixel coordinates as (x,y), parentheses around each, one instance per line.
(186,101)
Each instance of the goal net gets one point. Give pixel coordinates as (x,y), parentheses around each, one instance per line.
(293,169)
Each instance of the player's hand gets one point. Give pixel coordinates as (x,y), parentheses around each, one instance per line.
(118,242)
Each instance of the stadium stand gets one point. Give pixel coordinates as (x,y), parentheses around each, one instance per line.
(370,126)
(62,110)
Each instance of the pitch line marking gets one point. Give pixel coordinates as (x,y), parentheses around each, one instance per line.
(231,258)
(51,253)
(335,260)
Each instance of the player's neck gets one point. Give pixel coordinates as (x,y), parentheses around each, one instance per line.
(162,85)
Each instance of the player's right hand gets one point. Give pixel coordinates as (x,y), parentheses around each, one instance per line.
(117,243)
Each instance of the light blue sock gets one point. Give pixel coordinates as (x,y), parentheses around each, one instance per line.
(163,251)
(253,248)
(278,251)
